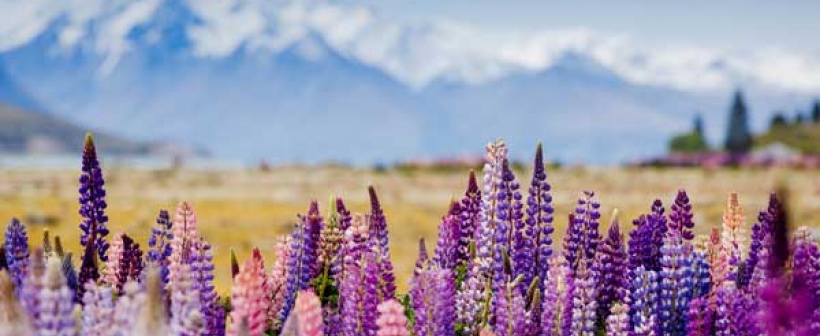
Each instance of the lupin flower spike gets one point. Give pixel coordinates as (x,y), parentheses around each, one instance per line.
(55,306)
(680,216)
(16,252)
(92,202)
(392,321)
(248,300)
(379,236)
(308,312)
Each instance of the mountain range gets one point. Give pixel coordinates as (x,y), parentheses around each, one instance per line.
(313,81)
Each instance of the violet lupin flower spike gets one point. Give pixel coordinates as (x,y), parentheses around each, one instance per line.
(700,317)
(583,238)
(556,312)
(379,236)
(202,268)
(540,216)
(680,216)
(676,285)
(612,268)
(304,256)
(159,244)
(92,207)
(469,213)
(16,253)
(449,236)
(644,298)
(585,305)
(432,294)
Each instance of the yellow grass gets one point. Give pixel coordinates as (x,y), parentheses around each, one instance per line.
(244,208)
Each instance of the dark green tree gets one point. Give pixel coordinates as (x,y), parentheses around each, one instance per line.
(778,120)
(691,142)
(815,112)
(738,135)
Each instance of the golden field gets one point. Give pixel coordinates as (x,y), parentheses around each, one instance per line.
(241,209)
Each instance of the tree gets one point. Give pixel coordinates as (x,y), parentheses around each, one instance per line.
(778,120)
(738,136)
(815,112)
(691,142)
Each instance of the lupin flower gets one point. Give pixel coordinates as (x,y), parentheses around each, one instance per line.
(732,236)
(759,247)
(510,231)
(617,323)
(469,213)
(202,269)
(585,295)
(304,257)
(248,300)
(111,272)
(680,216)
(611,266)
(330,245)
(159,244)
(127,309)
(644,300)
(676,285)
(185,233)
(380,242)
(731,316)
(391,321)
(55,307)
(700,317)
(432,294)
(539,217)
(358,295)
(557,301)
(469,301)
(98,309)
(277,282)
(718,259)
(449,236)
(33,285)
(186,309)
(583,237)
(16,252)
(486,232)
(92,210)
(308,314)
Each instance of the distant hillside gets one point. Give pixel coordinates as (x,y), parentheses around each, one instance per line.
(24,132)
(804,137)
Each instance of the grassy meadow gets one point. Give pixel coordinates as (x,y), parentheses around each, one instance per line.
(241,209)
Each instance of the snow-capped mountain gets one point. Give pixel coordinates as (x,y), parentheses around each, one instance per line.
(316,80)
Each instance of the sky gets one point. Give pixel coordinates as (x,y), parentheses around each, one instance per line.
(732,23)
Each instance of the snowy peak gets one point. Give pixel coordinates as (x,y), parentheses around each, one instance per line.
(414,53)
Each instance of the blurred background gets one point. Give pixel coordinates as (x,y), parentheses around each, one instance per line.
(251,108)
